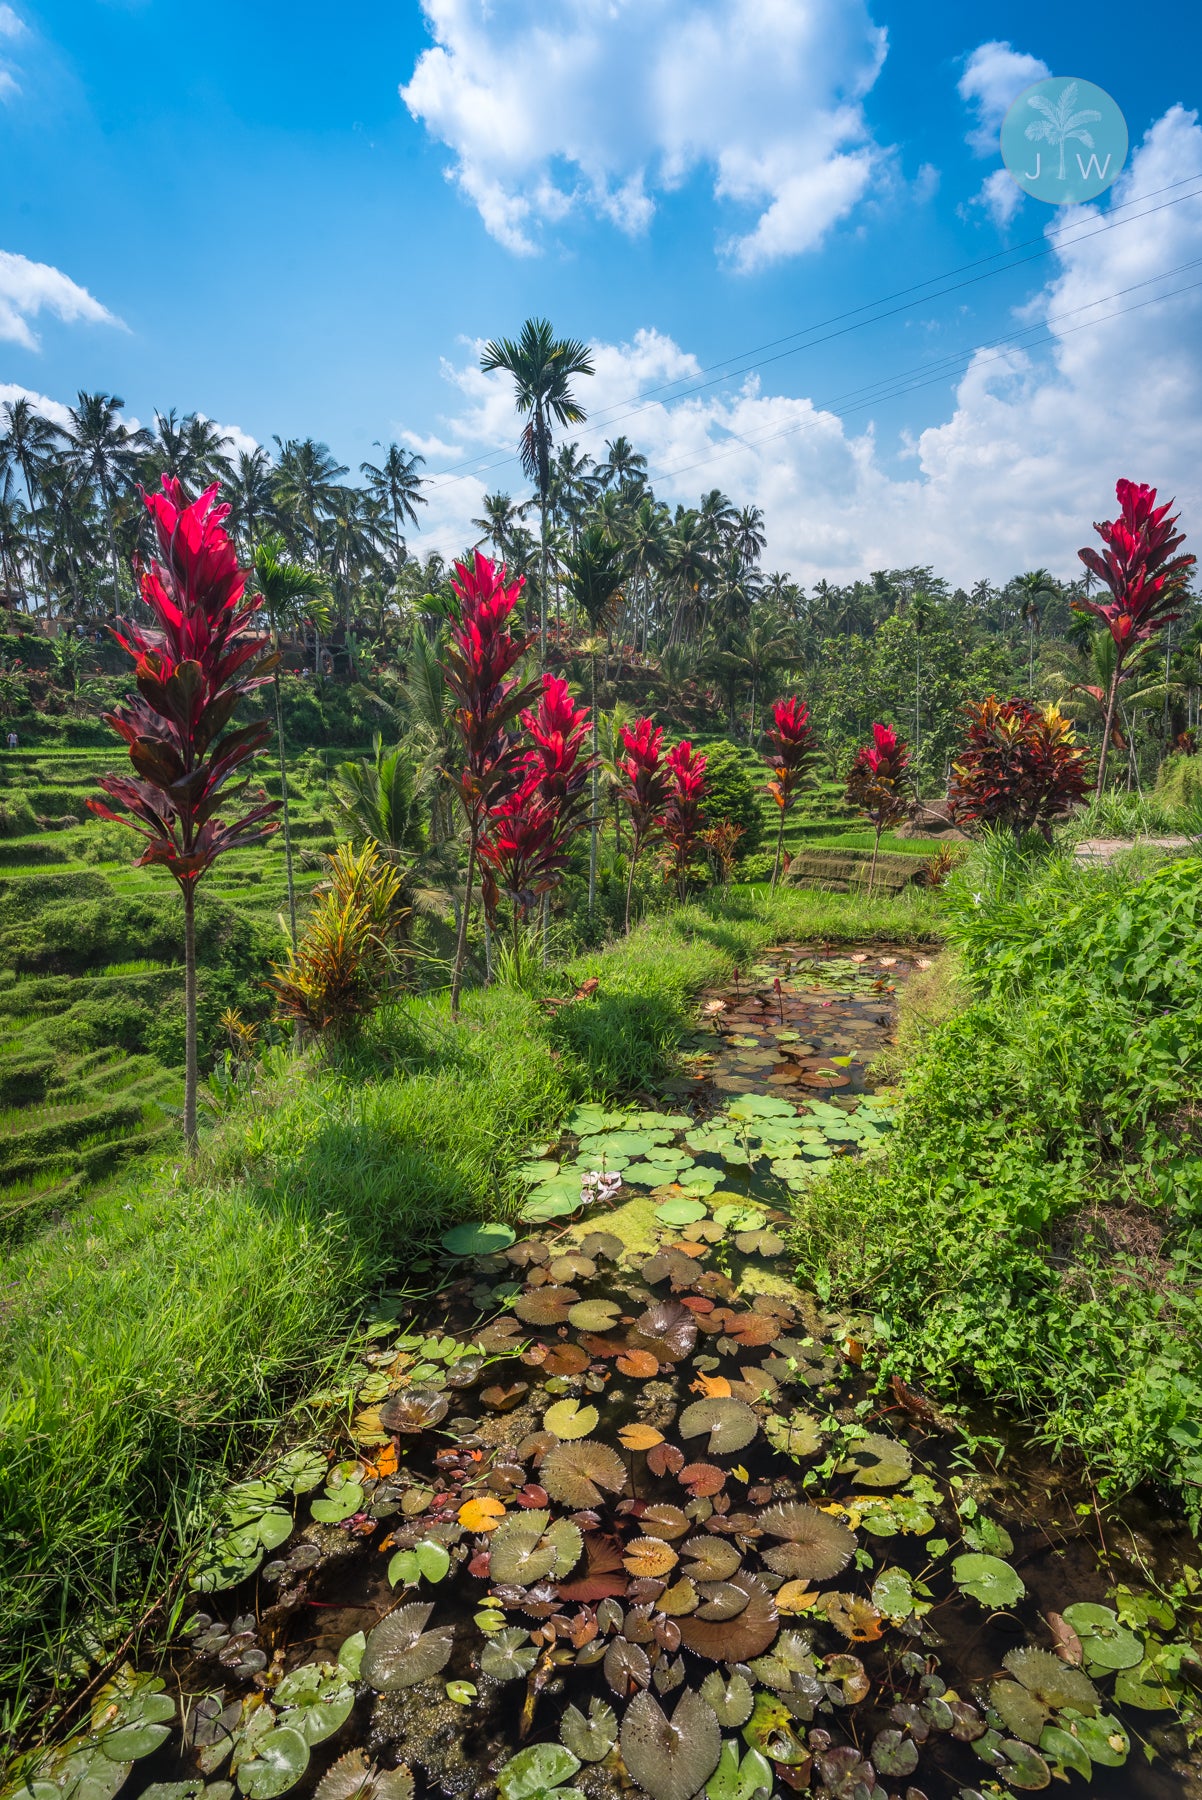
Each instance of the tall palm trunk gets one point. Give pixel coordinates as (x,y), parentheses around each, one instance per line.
(189,893)
(108,510)
(37,533)
(542,585)
(594,822)
(279,738)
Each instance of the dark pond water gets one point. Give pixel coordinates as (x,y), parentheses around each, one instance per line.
(619,1489)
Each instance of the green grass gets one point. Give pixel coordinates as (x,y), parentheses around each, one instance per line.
(1034,1236)
(156,1335)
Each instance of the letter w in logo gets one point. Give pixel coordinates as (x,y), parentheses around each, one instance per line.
(1093,166)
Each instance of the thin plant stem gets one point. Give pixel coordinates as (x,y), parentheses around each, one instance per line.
(189,894)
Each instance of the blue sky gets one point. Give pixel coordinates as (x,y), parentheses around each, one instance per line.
(280,238)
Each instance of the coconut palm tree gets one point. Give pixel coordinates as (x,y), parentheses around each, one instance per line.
(103,454)
(192,449)
(596,570)
(498,521)
(749,535)
(645,534)
(291,593)
(1034,590)
(28,441)
(688,566)
(249,491)
(542,367)
(14,540)
(624,466)
(305,487)
(398,486)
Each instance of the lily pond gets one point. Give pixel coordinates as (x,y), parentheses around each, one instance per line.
(611,1507)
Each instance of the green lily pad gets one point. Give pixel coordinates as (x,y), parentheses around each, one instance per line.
(428,1561)
(1106,1643)
(477,1238)
(281,1758)
(748,1779)
(318,1698)
(772,1731)
(461,1692)
(680,1212)
(1102,1738)
(1065,1752)
(987,1579)
(338,1503)
(1144,1686)
(539,1770)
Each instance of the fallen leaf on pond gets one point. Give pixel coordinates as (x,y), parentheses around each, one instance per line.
(639,1364)
(640,1437)
(795,1597)
(714,1387)
(857,1619)
(483,1512)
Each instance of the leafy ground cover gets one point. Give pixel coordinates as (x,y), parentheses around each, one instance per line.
(156,1333)
(1033,1236)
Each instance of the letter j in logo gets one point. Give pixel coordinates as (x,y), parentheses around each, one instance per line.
(1064,140)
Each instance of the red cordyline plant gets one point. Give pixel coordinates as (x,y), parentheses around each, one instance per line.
(191,670)
(1145,578)
(792,747)
(879,785)
(476,665)
(645,790)
(1020,769)
(525,848)
(682,817)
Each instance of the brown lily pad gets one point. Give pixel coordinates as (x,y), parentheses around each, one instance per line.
(575,1473)
(730,1423)
(738,1639)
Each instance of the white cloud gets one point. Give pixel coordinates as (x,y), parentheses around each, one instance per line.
(1001,197)
(1012,479)
(10,25)
(54,410)
(28,288)
(8,85)
(239,440)
(606,104)
(994,76)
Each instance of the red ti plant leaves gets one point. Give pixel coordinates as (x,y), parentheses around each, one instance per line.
(488,699)
(1020,769)
(192,666)
(879,784)
(1146,579)
(791,749)
(644,790)
(682,817)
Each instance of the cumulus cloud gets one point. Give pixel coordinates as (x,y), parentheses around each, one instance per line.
(11,28)
(54,410)
(239,440)
(994,76)
(604,105)
(1026,459)
(28,288)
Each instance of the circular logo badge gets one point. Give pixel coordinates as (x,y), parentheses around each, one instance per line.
(1064,140)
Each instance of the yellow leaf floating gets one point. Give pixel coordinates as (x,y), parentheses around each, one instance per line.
(483,1512)
(795,1597)
(640,1437)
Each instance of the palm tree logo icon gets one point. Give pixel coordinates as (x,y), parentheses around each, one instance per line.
(1059,124)
(1077,121)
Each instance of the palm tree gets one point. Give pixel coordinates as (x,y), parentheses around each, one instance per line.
(103,454)
(688,565)
(749,535)
(428,710)
(624,466)
(192,449)
(498,520)
(645,534)
(305,488)
(13,540)
(1060,124)
(398,486)
(249,491)
(542,367)
(291,592)
(28,440)
(1035,589)
(596,570)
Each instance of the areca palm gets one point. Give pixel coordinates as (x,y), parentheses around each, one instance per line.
(28,440)
(542,367)
(291,593)
(398,486)
(596,570)
(104,454)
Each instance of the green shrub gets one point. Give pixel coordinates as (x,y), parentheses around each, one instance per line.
(1179,786)
(730,793)
(16,815)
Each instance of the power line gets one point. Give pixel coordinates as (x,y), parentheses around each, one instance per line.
(635,404)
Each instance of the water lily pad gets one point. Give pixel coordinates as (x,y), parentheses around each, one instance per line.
(536,1772)
(877,1461)
(680,1212)
(772,1732)
(318,1699)
(1106,1643)
(730,1696)
(627,1667)
(414,1410)
(338,1503)
(987,1579)
(479,1237)
(747,1779)
(591,1738)
(508,1655)
(738,1639)
(671,1759)
(799,1435)
(568,1419)
(353,1778)
(428,1561)
(281,1758)
(575,1473)
(400,1652)
(730,1423)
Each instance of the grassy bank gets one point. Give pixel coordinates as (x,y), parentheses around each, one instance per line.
(153,1338)
(1034,1234)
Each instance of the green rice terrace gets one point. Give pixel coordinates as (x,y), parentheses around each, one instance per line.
(607,1200)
